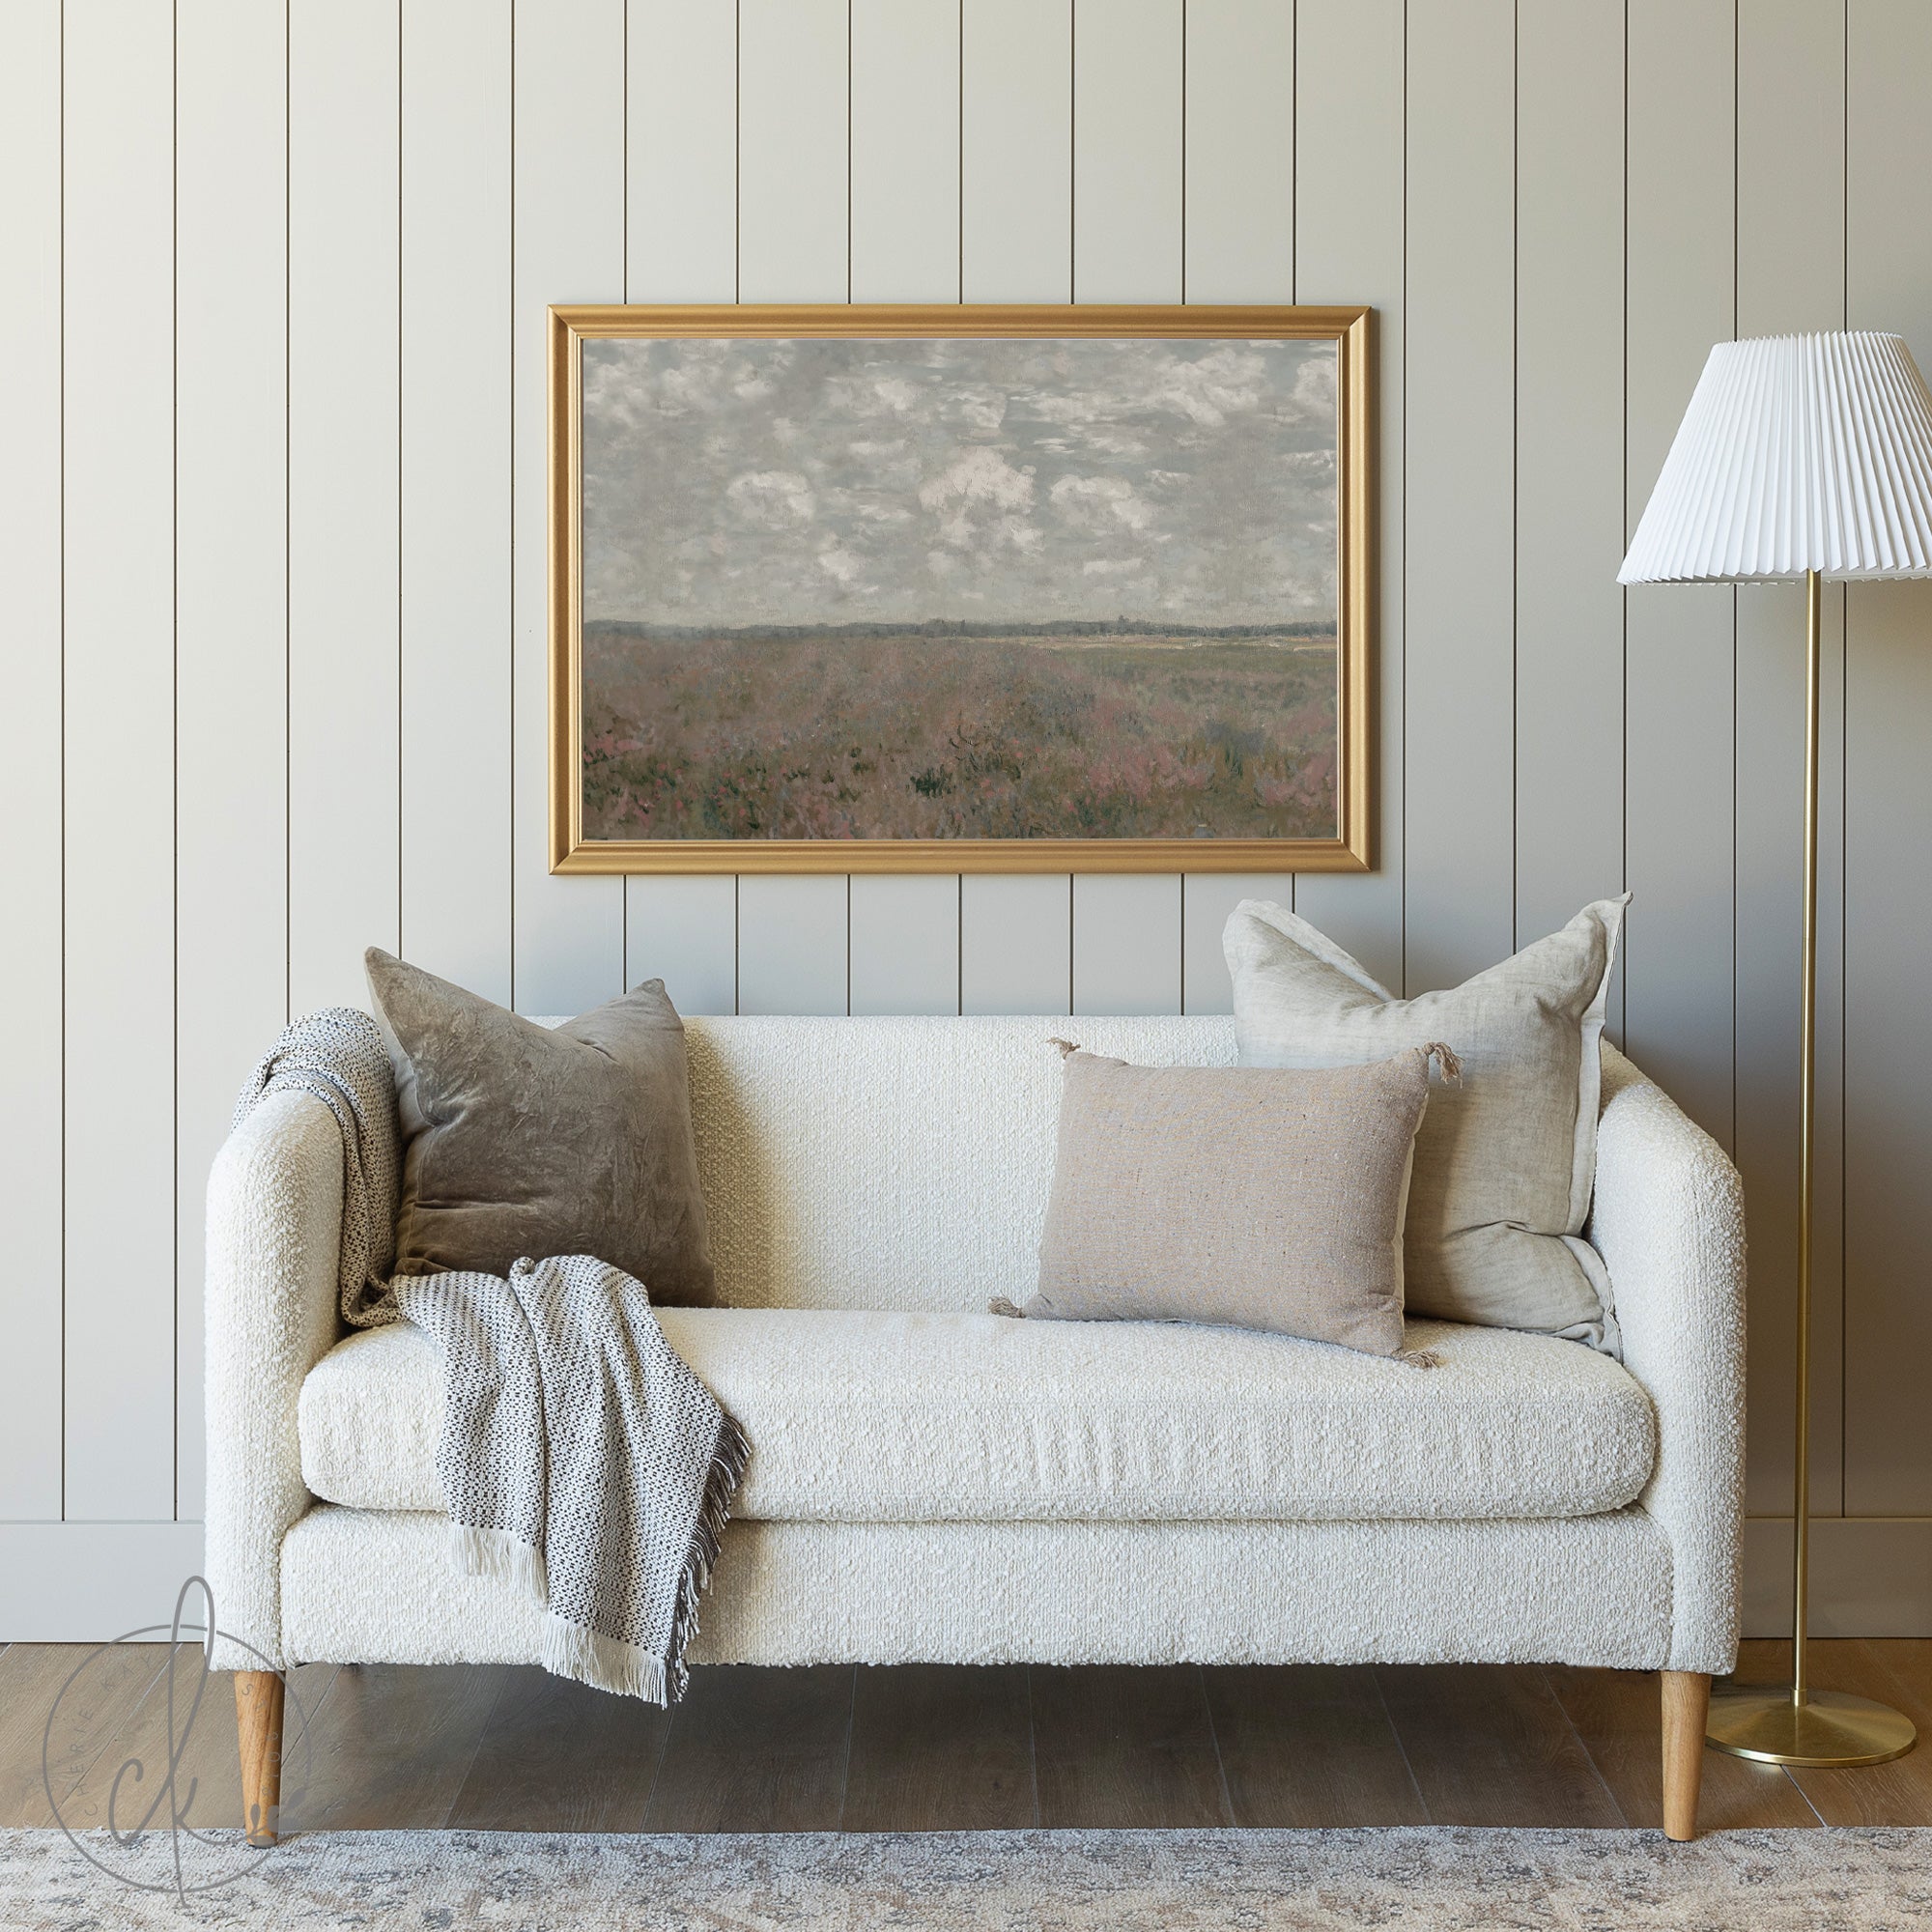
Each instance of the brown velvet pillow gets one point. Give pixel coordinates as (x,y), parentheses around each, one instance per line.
(521,1140)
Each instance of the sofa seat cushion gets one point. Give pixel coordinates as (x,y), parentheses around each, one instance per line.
(890,1417)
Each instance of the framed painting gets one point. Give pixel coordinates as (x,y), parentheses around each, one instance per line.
(959,588)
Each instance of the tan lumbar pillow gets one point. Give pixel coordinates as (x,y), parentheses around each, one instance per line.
(1244,1196)
(1505,1161)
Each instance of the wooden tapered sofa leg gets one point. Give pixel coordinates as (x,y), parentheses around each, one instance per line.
(258,1727)
(1687,1705)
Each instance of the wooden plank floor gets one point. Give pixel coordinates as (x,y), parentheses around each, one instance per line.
(931,1748)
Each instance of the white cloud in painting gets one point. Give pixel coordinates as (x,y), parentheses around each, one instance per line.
(1102,504)
(844,567)
(980,476)
(775,497)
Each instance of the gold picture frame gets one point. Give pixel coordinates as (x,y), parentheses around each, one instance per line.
(1350,850)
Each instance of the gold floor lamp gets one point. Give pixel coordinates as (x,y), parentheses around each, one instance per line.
(1800,456)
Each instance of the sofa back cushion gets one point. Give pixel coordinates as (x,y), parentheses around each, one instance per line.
(893,1163)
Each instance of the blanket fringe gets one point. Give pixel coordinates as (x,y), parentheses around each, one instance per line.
(502,1558)
(604,1663)
(728,1458)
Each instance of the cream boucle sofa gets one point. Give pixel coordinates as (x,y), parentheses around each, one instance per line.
(930,1482)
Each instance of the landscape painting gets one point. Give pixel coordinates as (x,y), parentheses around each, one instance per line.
(932,596)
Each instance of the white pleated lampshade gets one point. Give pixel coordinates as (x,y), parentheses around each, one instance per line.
(1798,452)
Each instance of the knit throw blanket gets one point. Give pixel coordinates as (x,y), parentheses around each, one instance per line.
(582,1460)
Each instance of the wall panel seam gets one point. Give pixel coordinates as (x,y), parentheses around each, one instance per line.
(1183,243)
(510,467)
(174,729)
(1516,472)
(848,299)
(1623,502)
(288,515)
(1402,720)
(737,159)
(401,270)
(959,170)
(61,726)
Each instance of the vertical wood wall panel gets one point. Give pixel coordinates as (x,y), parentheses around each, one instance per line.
(905,943)
(1239,247)
(1127,168)
(456,491)
(682,211)
(905,248)
(793,215)
(1239,237)
(1349,190)
(1016,151)
(1016,244)
(344,493)
(1678,639)
(1126,943)
(1015,943)
(1205,901)
(794,133)
(684,931)
(1459,541)
(1791,276)
(567,246)
(30,752)
(682,246)
(791,943)
(905,151)
(1569,452)
(1126,151)
(118,558)
(1889,872)
(231,646)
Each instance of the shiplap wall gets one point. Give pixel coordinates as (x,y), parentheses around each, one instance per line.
(271,542)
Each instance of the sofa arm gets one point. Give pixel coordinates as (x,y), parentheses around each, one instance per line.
(274,1226)
(1669,1222)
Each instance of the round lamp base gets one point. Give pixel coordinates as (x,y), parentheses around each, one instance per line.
(1830,1730)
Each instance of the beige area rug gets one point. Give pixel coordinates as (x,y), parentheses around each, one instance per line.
(1821,1880)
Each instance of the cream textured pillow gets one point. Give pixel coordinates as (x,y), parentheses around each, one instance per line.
(1250,1197)
(1505,1161)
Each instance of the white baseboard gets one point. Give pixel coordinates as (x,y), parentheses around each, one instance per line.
(1871,1575)
(84,1582)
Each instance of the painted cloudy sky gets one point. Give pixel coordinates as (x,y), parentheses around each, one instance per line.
(841,481)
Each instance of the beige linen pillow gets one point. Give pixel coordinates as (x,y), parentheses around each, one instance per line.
(521,1139)
(1254,1197)
(1505,1161)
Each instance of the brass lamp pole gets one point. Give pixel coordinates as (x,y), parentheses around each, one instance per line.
(1798,1724)
(1807,456)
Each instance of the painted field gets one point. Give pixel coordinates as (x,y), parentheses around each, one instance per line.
(914,735)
